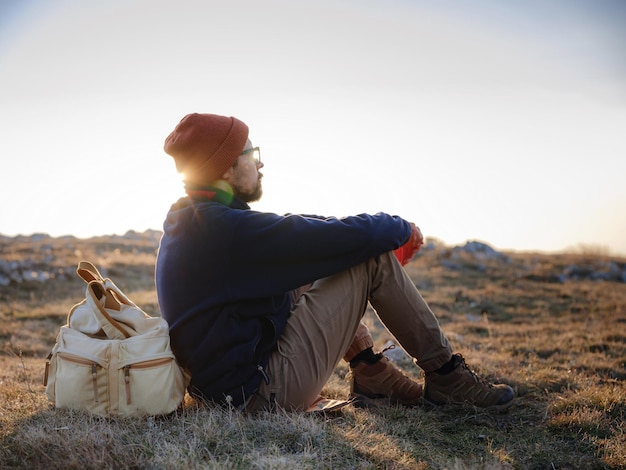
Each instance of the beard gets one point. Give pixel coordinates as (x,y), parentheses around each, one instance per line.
(251,195)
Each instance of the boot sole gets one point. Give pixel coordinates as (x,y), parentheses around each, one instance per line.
(363,401)
(502,407)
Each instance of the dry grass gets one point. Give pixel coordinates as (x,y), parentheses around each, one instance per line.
(561,345)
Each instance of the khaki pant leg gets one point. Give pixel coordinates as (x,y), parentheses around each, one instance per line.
(325,319)
(404,312)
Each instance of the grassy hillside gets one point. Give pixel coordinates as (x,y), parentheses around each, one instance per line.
(552,326)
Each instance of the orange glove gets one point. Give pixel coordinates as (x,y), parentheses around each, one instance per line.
(406,252)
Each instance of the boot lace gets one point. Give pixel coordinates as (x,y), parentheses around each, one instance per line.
(474,375)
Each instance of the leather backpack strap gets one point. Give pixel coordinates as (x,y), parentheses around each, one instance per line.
(117,294)
(88,272)
(112,328)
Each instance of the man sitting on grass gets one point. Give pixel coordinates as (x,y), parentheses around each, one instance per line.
(262,307)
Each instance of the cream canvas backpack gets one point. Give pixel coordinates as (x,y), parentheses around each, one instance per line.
(111,358)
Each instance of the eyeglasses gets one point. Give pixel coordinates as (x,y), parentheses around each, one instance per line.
(256,154)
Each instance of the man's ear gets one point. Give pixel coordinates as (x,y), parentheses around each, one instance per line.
(228,175)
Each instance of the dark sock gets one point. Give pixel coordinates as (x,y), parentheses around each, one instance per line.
(447,367)
(367,356)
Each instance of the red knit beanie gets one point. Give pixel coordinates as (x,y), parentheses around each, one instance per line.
(205,146)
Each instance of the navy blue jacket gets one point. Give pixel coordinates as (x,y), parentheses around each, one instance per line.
(224,275)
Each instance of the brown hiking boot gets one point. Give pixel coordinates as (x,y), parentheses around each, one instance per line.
(382,380)
(463,386)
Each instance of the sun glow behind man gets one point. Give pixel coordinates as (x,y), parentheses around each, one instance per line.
(461,119)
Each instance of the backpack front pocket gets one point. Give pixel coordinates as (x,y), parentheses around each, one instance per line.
(80,382)
(145,383)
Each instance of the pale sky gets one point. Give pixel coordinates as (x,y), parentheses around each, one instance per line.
(492,120)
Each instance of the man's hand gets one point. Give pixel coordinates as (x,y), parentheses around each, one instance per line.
(406,252)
